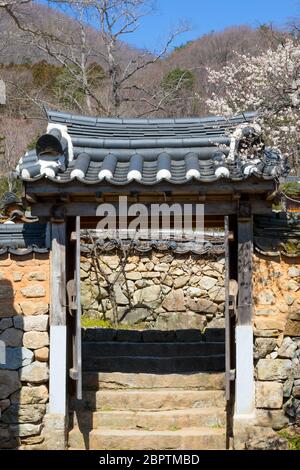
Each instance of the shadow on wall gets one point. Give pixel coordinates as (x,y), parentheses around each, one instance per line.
(22,398)
(12,358)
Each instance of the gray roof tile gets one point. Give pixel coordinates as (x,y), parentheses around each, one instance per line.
(146,150)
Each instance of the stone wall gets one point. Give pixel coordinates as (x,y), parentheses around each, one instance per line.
(24,318)
(157,290)
(277,340)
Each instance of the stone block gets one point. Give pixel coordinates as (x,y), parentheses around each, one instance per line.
(16,358)
(26,429)
(7,438)
(202,306)
(133,276)
(269,395)
(267,323)
(266,297)
(29,307)
(174,301)
(35,339)
(23,414)
(6,323)
(296,391)
(273,369)
(37,276)
(31,395)
(181,281)
(287,387)
(34,291)
(36,373)
(292,328)
(264,346)
(12,337)
(41,354)
(31,322)
(207,282)
(9,383)
(275,419)
(287,348)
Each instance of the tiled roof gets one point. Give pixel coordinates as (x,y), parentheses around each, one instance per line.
(22,239)
(278,234)
(148,151)
(212,245)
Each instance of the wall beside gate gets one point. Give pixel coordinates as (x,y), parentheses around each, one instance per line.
(165,291)
(24,372)
(276,289)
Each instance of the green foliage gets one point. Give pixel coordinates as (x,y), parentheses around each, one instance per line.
(178,78)
(95,74)
(44,73)
(182,46)
(16,186)
(292,188)
(67,90)
(68,87)
(87,322)
(292,438)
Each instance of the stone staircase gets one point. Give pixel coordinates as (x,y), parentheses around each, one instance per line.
(150,390)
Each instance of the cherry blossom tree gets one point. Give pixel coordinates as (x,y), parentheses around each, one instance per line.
(269,84)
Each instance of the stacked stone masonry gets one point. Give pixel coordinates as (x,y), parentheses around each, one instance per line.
(160,291)
(277,341)
(24,337)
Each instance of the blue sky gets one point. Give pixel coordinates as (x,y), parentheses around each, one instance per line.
(208,15)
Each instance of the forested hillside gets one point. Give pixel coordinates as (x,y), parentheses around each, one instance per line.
(48,58)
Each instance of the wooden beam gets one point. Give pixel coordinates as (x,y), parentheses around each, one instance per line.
(58,274)
(250,186)
(88,209)
(245,250)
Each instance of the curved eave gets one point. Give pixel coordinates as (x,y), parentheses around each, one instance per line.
(113,182)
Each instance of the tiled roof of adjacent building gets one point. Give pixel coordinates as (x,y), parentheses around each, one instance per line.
(119,151)
(22,239)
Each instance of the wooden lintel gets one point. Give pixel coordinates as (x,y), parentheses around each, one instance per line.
(58,272)
(88,209)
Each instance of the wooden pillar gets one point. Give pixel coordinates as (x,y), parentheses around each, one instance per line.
(244,389)
(58,329)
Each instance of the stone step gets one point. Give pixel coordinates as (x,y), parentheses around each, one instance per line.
(155,365)
(120,380)
(114,348)
(113,439)
(145,400)
(151,420)
(153,336)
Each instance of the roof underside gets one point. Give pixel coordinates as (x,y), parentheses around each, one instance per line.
(148,151)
